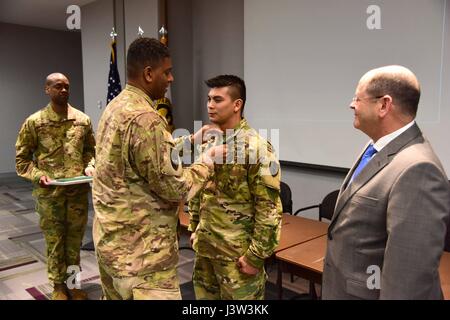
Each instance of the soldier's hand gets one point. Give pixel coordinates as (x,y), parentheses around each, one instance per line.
(216,154)
(89,171)
(191,239)
(206,132)
(245,267)
(44,181)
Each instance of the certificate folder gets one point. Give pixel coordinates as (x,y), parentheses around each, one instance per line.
(69,181)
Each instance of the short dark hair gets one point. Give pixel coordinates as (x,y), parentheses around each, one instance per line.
(145,52)
(236,84)
(403,92)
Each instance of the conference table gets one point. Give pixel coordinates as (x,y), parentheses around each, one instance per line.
(306,260)
(294,229)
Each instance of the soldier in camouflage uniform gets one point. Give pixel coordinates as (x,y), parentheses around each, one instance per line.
(58,142)
(139,182)
(236,218)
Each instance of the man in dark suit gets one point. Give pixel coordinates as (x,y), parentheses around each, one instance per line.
(387,233)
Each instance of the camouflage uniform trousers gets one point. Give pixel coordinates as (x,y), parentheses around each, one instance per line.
(222,280)
(162,285)
(63,221)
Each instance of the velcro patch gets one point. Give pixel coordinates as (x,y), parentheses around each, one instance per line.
(172,163)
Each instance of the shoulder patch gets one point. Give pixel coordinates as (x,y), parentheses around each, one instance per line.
(270,173)
(274,168)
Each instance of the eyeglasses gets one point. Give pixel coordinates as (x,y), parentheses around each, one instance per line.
(357,99)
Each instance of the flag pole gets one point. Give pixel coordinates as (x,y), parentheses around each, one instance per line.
(164,105)
(114,86)
(163,22)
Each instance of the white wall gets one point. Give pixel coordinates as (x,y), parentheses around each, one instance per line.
(314,53)
(97,22)
(218,42)
(27,56)
(142,13)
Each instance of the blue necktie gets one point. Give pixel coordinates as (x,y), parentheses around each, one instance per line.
(370,151)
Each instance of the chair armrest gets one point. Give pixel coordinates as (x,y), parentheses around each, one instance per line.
(305,208)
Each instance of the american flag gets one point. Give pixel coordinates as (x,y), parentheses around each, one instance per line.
(114,86)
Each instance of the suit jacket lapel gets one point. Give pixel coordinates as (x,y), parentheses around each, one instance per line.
(378,162)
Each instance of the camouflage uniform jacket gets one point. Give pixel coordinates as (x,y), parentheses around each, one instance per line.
(137,187)
(56,146)
(239,211)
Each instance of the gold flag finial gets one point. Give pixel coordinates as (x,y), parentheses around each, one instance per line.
(163,35)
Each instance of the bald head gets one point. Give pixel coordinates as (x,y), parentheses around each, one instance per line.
(396,81)
(53,77)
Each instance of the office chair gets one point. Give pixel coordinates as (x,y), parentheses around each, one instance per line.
(326,210)
(286,203)
(286,197)
(326,207)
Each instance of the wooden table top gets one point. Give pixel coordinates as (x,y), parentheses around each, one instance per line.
(183,216)
(296,230)
(308,255)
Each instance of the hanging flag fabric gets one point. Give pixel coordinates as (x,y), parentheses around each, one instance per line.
(114,86)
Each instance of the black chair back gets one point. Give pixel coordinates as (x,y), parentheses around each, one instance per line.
(326,208)
(286,197)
